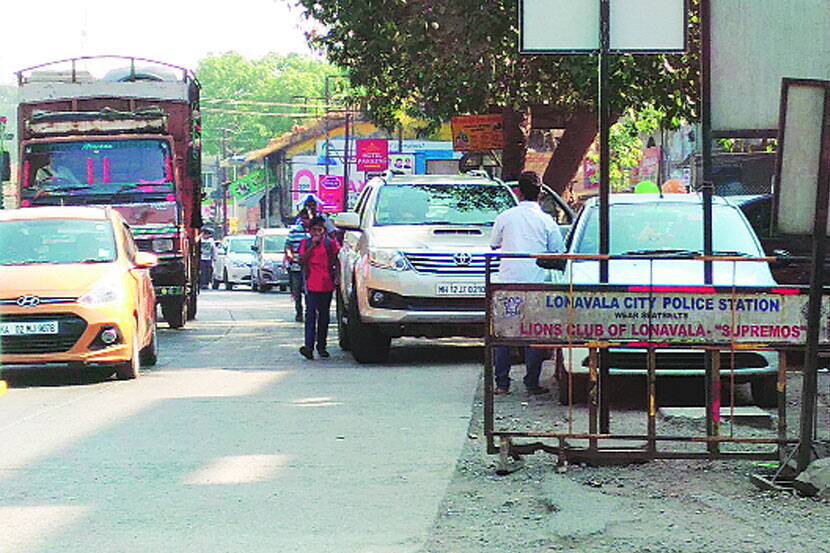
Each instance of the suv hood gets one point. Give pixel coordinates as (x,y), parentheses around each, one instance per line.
(670,272)
(430,237)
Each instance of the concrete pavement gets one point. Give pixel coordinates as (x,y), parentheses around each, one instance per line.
(235,443)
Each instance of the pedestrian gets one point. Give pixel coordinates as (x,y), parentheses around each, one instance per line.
(314,210)
(524,228)
(206,259)
(296,280)
(318,257)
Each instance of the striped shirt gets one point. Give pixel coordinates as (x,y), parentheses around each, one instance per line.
(296,236)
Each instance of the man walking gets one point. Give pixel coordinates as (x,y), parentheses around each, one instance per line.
(524,229)
(206,260)
(318,257)
(296,235)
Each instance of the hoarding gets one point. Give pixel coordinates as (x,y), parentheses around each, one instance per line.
(754,45)
(478,133)
(372,155)
(663,316)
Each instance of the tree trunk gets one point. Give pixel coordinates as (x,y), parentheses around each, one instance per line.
(516,134)
(580,132)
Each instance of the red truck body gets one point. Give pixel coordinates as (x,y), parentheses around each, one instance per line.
(130,140)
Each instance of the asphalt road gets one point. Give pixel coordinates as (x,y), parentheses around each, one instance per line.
(233,442)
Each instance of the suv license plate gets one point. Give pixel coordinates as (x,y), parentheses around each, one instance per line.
(460,289)
(25,329)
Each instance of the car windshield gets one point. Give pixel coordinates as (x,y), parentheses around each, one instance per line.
(667,227)
(435,204)
(241,245)
(56,241)
(115,167)
(274,244)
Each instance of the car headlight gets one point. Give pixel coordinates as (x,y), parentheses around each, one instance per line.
(238,264)
(388,259)
(161,245)
(105,292)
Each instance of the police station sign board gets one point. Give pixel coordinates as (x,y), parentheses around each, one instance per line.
(671,316)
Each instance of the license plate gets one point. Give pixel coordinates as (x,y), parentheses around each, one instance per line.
(25,329)
(460,289)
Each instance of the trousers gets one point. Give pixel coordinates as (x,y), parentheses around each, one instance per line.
(317,318)
(533,362)
(296,284)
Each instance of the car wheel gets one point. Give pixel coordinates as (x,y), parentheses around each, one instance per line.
(580,389)
(150,354)
(283,287)
(367,343)
(130,369)
(254,283)
(214,284)
(342,323)
(765,391)
(264,288)
(175,313)
(228,284)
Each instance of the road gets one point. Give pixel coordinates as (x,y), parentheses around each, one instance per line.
(233,442)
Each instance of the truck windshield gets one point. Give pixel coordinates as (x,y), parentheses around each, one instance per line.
(441,204)
(105,167)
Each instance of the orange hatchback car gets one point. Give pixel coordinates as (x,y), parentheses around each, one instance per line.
(75,290)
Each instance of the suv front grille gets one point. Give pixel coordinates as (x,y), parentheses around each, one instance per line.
(448,264)
(70,329)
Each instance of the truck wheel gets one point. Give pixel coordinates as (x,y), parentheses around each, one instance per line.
(175,312)
(367,343)
(192,304)
(228,284)
(130,369)
(342,323)
(150,354)
(765,391)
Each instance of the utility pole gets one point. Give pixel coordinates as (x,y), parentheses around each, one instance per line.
(346,162)
(326,123)
(267,194)
(225,134)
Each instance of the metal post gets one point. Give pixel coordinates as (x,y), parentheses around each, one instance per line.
(346,154)
(706,155)
(810,387)
(592,397)
(782,404)
(488,359)
(604,193)
(225,175)
(652,400)
(267,195)
(326,123)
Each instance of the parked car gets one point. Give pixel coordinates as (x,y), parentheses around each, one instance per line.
(268,269)
(233,261)
(413,259)
(74,289)
(670,225)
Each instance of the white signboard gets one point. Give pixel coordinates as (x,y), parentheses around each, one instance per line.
(666,317)
(562,26)
(754,45)
(800,153)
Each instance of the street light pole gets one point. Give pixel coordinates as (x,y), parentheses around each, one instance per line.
(267,194)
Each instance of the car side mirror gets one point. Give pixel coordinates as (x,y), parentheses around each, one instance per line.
(347,220)
(145,260)
(254,248)
(554,264)
(783,258)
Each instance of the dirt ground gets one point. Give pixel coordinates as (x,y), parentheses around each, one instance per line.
(662,506)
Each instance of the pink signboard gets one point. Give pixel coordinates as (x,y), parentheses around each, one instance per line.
(372,155)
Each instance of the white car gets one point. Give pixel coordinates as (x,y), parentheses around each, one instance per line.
(268,269)
(413,259)
(232,263)
(670,225)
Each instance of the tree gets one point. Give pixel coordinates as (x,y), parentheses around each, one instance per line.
(438,58)
(229,79)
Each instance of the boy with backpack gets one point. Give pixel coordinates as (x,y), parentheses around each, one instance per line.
(318,258)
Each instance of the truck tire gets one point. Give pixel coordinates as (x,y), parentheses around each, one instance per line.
(129,370)
(765,391)
(367,343)
(342,323)
(175,312)
(150,354)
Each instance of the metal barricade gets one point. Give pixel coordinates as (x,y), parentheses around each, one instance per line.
(721,322)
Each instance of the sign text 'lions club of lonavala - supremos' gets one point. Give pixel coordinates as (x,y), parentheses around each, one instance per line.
(671,316)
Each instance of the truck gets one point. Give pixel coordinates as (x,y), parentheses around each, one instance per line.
(131,140)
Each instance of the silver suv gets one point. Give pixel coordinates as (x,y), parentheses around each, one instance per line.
(412,262)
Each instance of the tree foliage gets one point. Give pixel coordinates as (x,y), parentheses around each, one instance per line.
(273,78)
(439,58)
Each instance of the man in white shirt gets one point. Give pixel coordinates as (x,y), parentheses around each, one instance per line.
(524,229)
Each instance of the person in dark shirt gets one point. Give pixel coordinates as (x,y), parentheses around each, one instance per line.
(318,257)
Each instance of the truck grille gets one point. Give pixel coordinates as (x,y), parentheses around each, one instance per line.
(450,263)
(70,329)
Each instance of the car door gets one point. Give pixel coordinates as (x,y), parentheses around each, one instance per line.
(221,259)
(145,297)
